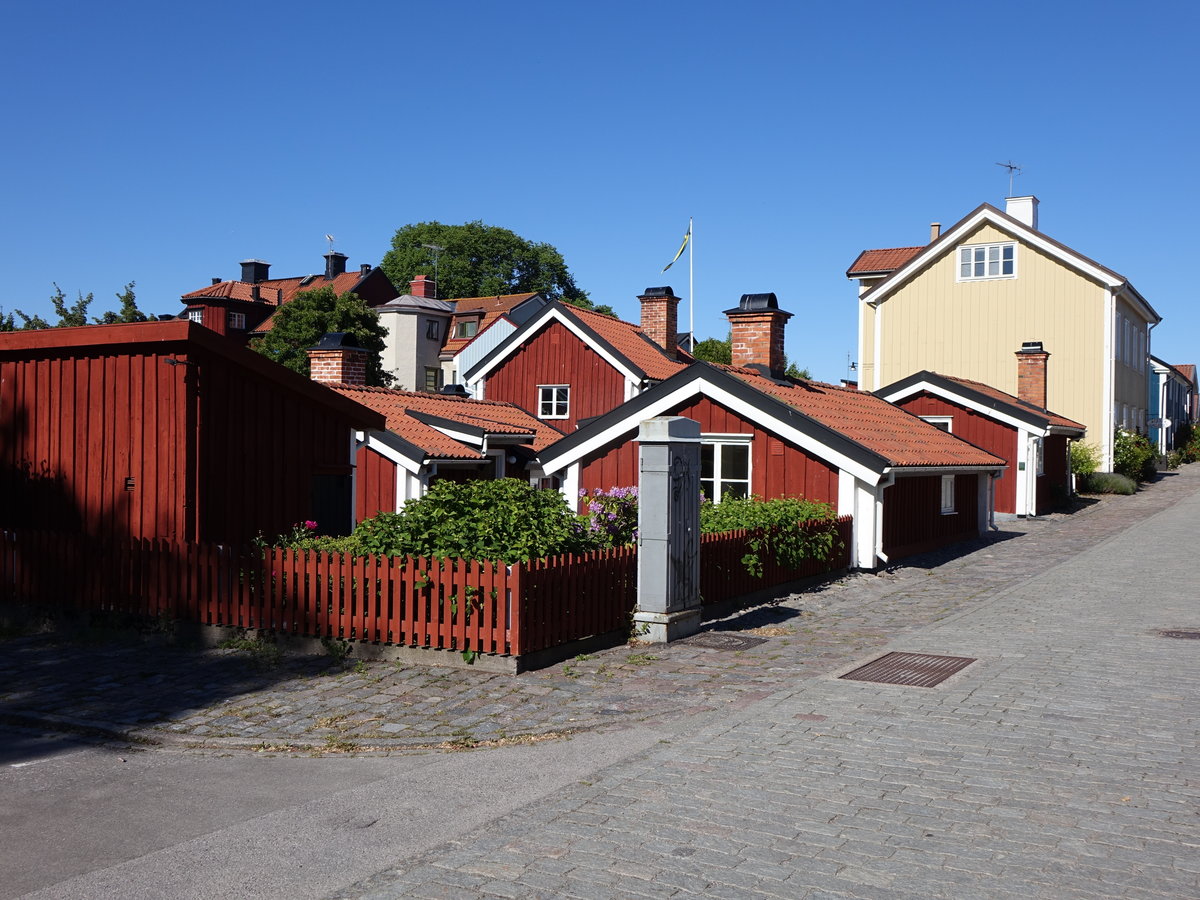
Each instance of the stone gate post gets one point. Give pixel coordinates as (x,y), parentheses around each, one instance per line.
(668,605)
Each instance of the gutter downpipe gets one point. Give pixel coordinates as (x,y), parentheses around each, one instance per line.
(889,478)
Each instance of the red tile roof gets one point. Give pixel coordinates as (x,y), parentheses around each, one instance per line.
(492,308)
(899,437)
(880,262)
(629,340)
(237,290)
(1188,371)
(1005,397)
(490,415)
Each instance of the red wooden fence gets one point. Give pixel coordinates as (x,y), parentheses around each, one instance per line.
(451,604)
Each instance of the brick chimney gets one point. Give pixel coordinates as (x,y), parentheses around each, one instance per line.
(335,264)
(255,270)
(757,324)
(660,317)
(423,286)
(337,359)
(1031,373)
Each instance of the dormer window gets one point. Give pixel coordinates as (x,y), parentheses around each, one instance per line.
(466,329)
(196,315)
(977,262)
(237,321)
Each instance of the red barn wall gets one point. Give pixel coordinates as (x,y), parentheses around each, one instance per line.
(912,517)
(374,485)
(556,356)
(777,468)
(982,431)
(75,426)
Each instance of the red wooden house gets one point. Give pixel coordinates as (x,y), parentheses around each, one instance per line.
(1034,442)
(166,429)
(426,437)
(909,486)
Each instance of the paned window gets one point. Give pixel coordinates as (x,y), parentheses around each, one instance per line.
(466,329)
(433,378)
(947,494)
(237,321)
(945,423)
(432,331)
(979,261)
(724,468)
(196,315)
(554,401)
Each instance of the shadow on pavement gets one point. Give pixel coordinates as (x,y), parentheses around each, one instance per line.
(102,690)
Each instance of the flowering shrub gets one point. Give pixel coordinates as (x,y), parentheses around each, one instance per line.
(609,518)
(1085,458)
(1133,456)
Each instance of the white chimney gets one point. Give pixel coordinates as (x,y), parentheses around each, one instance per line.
(1023,209)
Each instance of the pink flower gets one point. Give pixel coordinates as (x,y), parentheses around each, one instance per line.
(310,524)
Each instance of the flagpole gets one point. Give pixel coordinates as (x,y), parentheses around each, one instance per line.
(691,288)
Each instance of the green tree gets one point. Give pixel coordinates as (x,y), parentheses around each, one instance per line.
(478,260)
(301,322)
(129,309)
(6,322)
(719,351)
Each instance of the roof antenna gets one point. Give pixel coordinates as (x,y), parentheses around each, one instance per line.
(436,250)
(329,237)
(1013,169)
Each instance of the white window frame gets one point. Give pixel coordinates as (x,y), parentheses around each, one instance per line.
(718,442)
(237,321)
(936,421)
(196,315)
(948,508)
(550,406)
(967,254)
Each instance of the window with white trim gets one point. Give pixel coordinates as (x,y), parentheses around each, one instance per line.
(237,321)
(947,494)
(554,401)
(977,262)
(945,423)
(196,315)
(725,466)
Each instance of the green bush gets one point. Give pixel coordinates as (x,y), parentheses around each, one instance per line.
(1187,439)
(1107,483)
(1085,458)
(1175,459)
(505,519)
(773,523)
(1133,456)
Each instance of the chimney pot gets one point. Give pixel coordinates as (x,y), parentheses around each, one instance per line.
(757,325)
(935,231)
(335,264)
(423,286)
(364,270)
(255,270)
(216,280)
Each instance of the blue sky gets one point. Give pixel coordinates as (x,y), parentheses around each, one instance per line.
(163,144)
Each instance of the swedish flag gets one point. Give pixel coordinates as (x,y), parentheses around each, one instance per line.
(687,238)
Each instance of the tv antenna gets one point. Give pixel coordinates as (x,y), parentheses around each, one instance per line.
(330,238)
(1013,169)
(437,249)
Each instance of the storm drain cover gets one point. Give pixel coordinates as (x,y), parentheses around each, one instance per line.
(912,669)
(719,640)
(1174,633)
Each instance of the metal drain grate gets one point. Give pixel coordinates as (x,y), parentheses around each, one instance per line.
(1175,633)
(715,640)
(912,669)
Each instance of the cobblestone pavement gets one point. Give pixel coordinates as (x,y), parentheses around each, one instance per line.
(1061,764)
(233,700)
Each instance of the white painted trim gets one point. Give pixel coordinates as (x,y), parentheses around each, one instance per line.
(729,401)
(958,276)
(554,315)
(406,462)
(1109,388)
(896,396)
(462,436)
(570,486)
(948,421)
(862,324)
(951,240)
(877,376)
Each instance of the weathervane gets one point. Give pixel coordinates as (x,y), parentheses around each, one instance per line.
(1013,169)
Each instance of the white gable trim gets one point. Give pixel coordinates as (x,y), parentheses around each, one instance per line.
(988,411)
(719,395)
(405,462)
(950,240)
(552,314)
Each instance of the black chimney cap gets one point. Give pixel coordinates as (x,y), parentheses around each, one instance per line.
(757,303)
(1032,347)
(666,291)
(337,340)
(455,390)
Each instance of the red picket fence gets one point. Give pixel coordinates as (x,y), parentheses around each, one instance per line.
(451,604)
(723,575)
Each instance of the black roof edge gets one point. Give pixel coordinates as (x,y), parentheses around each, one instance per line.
(441,422)
(535,322)
(1028,412)
(699,370)
(399,444)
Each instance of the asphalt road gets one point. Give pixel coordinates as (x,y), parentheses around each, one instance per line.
(85,821)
